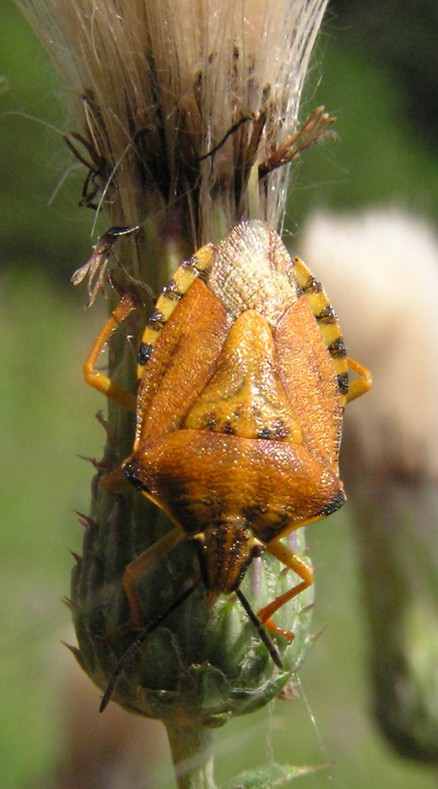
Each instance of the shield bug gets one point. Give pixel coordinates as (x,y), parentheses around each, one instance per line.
(242,381)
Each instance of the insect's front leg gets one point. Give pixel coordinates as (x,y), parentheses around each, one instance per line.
(301,568)
(99,380)
(139,566)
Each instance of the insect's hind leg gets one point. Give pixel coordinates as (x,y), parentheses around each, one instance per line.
(99,380)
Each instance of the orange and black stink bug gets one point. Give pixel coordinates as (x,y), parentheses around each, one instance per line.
(243,378)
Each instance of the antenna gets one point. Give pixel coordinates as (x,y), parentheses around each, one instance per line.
(264,636)
(136,644)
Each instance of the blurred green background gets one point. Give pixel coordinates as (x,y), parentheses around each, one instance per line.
(375,70)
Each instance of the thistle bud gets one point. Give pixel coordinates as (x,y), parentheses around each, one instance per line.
(199,666)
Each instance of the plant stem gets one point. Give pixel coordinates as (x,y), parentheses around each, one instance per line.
(192,754)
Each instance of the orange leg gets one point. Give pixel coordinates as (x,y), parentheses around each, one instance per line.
(99,380)
(137,568)
(361,384)
(301,568)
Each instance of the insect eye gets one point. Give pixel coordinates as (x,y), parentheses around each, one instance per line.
(257,550)
(130,471)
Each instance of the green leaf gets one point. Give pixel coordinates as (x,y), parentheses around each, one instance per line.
(275,775)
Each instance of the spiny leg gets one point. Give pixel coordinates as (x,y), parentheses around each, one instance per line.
(301,568)
(137,568)
(189,270)
(99,380)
